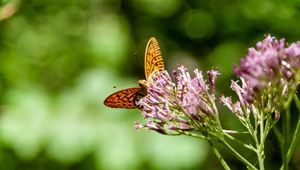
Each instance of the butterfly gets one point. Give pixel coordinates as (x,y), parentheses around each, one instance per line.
(128,98)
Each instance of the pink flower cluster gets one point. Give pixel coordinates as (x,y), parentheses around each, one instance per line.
(171,107)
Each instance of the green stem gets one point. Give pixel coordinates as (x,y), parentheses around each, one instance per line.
(219,156)
(237,155)
(198,136)
(283,146)
(278,135)
(285,131)
(240,142)
(286,137)
(260,145)
(296,134)
(194,135)
(270,123)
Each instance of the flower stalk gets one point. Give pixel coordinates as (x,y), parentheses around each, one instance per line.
(296,134)
(219,156)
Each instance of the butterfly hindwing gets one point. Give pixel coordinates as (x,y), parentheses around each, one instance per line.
(126,98)
(153,59)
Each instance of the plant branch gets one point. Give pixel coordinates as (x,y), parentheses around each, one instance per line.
(260,145)
(296,134)
(219,156)
(285,131)
(240,142)
(237,155)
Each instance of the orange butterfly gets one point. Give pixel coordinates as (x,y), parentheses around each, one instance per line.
(127,98)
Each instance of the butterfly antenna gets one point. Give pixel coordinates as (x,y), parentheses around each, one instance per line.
(127,84)
(137,62)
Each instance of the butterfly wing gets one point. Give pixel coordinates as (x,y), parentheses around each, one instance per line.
(126,98)
(153,59)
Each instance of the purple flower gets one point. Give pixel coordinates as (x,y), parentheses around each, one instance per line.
(293,53)
(173,107)
(151,126)
(235,108)
(269,65)
(268,73)
(212,76)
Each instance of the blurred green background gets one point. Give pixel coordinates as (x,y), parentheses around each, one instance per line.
(60,59)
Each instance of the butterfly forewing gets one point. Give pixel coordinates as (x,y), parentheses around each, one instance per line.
(153,59)
(126,98)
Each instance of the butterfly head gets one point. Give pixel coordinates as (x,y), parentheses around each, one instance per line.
(143,83)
